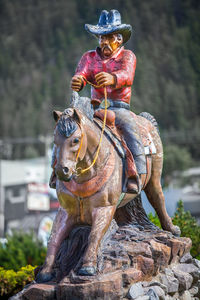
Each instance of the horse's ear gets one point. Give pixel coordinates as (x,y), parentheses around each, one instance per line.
(77,116)
(56,115)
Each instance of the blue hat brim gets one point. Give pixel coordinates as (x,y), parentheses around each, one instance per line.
(124,29)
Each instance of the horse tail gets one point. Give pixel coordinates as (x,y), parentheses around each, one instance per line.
(150,118)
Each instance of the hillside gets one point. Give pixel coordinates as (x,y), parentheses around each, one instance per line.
(42,41)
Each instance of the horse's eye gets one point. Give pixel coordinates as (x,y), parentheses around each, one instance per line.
(76,140)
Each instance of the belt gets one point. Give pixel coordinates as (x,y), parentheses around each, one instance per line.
(117,104)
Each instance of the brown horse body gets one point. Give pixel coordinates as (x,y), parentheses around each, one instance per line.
(92,197)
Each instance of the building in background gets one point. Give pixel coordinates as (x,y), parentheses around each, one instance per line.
(26,199)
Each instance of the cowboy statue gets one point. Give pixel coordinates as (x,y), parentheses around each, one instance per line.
(96,198)
(112,66)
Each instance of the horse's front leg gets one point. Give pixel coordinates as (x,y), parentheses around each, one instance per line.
(62,226)
(101,219)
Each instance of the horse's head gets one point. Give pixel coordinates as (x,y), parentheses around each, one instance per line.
(70,142)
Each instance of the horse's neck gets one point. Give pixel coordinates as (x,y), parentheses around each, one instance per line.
(93,134)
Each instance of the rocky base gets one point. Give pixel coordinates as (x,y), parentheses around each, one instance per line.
(180,281)
(133,263)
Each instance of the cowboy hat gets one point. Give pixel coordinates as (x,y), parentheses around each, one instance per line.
(110,22)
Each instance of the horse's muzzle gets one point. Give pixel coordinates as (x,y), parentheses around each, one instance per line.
(63,173)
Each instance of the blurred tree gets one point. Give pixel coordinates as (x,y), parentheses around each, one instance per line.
(42,41)
(176,158)
(21,249)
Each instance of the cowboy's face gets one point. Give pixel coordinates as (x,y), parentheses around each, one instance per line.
(109,43)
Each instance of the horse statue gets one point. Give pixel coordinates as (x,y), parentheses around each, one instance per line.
(95,197)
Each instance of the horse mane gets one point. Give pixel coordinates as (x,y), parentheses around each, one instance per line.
(66,124)
(83,104)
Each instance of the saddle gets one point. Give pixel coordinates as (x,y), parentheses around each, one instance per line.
(117,139)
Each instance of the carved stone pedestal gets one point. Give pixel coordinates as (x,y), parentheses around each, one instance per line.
(136,260)
(128,255)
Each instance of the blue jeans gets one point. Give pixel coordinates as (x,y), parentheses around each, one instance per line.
(127,125)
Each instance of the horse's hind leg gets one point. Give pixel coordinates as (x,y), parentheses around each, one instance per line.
(155,195)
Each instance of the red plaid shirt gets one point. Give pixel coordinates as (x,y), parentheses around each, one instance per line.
(122,64)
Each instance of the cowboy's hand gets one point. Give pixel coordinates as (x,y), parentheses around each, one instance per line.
(104,79)
(77,83)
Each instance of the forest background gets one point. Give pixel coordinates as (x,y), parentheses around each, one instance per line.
(41,42)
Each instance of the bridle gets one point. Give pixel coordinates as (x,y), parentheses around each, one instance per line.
(79,171)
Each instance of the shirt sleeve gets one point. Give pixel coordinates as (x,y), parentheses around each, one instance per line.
(126,73)
(82,68)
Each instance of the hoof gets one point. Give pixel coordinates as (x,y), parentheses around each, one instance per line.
(87,271)
(44,277)
(176,231)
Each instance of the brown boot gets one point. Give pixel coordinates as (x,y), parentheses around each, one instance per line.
(52,181)
(134,185)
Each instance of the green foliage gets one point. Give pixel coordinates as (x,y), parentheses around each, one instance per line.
(154,219)
(20,250)
(188,226)
(12,282)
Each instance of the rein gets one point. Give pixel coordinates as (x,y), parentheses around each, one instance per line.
(79,170)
